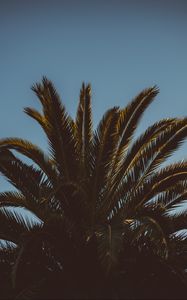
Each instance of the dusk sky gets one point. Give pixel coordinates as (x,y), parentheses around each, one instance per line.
(120,47)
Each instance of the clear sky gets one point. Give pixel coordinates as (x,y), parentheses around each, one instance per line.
(121,47)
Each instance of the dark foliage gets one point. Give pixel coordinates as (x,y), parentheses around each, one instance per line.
(106,225)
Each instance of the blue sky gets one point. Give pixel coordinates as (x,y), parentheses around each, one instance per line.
(121,47)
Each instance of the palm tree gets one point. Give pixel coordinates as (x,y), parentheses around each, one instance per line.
(103,201)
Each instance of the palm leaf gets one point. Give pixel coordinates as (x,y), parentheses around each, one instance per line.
(103,149)
(25,178)
(146,160)
(83,126)
(60,130)
(87,130)
(13,198)
(163,180)
(157,183)
(7,252)
(31,151)
(13,225)
(129,119)
(152,230)
(171,196)
(80,119)
(134,161)
(140,147)
(33,113)
(172,143)
(177,219)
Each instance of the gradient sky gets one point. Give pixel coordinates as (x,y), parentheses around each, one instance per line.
(121,47)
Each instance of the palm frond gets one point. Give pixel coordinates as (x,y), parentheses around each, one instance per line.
(129,119)
(25,178)
(135,160)
(87,130)
(103,149)
(13,199)
(172,196)
(83,126)
(171,144)
(146,160)
(33,113)
(13,225)
(60,132)
(177,219)
(137,195)
(31,151)
(79,122)
(153,232)
(140,147)
(80,118)
(164,180)
(7,252)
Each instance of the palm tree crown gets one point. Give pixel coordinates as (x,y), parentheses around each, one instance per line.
(103,199)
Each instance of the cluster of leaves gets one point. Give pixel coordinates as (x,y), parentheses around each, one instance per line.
(103,201)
